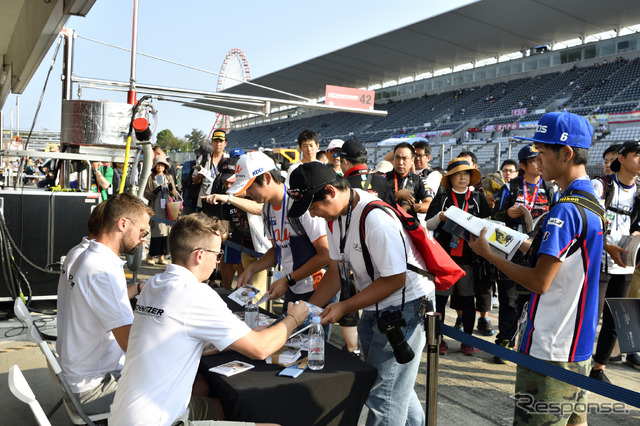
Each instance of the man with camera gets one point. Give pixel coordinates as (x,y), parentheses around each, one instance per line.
(393,298)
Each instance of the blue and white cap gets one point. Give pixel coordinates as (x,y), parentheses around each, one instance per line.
(563,128)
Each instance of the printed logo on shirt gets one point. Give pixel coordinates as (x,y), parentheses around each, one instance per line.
(357,247)
(555,221)
(546,236)
(149,310)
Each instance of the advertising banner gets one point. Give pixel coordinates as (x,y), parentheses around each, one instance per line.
(348,97)
(625,117)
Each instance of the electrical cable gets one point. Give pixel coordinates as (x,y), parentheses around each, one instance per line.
(3,225)
(33,123)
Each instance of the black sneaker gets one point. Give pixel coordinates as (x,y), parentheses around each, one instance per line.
(505,343)
(458,324)
(484,326)
(634,360)
(599,375)
(615,359)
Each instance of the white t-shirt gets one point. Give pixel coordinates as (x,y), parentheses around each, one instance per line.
(314,228)
(384,238)
(617,224)
(175,316)
(63,286)
(96,302)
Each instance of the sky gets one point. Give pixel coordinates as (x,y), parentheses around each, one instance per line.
(273,35)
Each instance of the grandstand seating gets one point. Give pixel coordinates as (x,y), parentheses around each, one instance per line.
(606,88)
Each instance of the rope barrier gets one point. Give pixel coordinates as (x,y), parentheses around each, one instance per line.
(610,391)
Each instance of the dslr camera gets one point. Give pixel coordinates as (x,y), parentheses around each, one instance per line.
(389,322)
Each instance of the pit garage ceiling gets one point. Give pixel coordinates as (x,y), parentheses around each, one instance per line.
(481,30)
(28,28)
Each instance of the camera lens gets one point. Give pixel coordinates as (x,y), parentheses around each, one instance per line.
(401,350)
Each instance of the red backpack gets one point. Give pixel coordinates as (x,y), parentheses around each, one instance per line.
(440,267)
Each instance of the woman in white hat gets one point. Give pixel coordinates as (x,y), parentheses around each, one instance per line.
(159,190)
(456,190)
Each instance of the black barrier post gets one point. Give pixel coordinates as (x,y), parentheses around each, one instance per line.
(432,328)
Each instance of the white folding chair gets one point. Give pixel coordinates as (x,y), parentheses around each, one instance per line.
(20,388)
(72,405)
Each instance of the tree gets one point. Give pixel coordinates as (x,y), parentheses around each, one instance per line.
(194,139)
(168,142)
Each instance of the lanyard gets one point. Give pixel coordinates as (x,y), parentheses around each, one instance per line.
(395,181)
(343,238)
(275,242)
(535,194)
(466,199)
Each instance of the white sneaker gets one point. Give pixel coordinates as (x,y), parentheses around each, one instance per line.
(494,302)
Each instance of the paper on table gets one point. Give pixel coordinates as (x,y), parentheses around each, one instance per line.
(231,368)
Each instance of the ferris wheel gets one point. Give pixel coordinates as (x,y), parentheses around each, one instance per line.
(234,70)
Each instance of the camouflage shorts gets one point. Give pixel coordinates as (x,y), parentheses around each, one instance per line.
(545,400)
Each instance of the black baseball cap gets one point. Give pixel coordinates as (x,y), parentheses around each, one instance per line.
(351,149)
(304,182)
(625,148)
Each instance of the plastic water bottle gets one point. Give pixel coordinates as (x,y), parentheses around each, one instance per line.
(316,345)
(251,311)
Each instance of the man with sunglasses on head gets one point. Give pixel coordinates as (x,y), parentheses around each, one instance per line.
(97,311)
(175,317)
(300,247)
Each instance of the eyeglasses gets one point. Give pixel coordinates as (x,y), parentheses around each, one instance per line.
(143,232)
(218,254)
(297,194)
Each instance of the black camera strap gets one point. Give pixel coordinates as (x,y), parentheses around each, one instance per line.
(343,237)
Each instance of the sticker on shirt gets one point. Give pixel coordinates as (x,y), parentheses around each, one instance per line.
(555,221)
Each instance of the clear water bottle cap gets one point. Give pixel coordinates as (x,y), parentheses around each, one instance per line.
(252,294)
(316,320)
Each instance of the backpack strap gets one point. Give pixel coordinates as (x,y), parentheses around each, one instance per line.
(365,251)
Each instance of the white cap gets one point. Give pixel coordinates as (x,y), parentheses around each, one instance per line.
(383,167)
(248,167)
(335,143)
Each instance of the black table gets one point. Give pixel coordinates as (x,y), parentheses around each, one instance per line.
(334,395)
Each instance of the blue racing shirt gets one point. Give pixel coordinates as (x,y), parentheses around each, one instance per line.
(562,322)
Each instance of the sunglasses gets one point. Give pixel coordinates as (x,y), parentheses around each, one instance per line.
(298,194)
(218,254)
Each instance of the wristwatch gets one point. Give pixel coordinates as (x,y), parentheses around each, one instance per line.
(229,199)
(290,280)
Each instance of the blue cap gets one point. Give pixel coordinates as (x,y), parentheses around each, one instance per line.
(526,153)
(563,128)
(236,153)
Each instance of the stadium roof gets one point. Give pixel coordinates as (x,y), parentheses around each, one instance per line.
(27,31)
(481,30)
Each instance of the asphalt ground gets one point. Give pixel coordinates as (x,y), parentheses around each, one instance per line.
(471,389)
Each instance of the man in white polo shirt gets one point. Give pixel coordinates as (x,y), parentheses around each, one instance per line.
(97,311)
(175,316)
